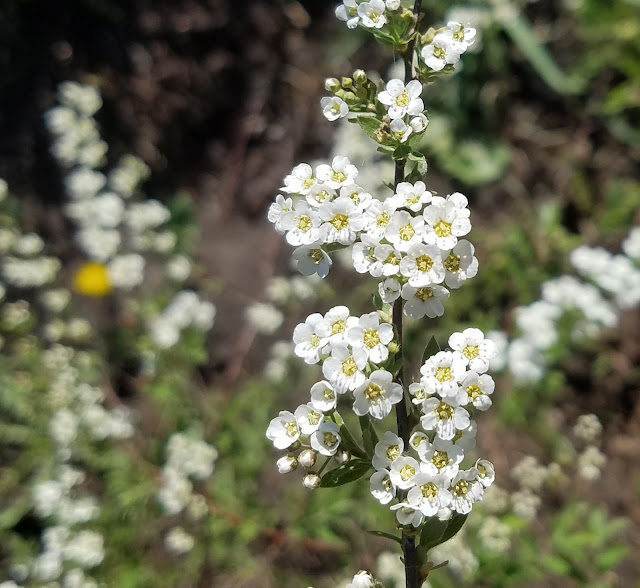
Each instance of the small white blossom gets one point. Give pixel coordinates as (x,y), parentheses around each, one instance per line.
(426,300)
(334,108)
(344,368)
(422,265)
(387,450)
(389,290)
(312,259)
(465,491)
(486,472)
(440,52)
(309,419)
(445,221)
(378,216)
(444,417)
(407,514)
(300,180)
(283,430)
(372,14)
(430,494)
(403,471)
(348,12)
(412,196)
(339,173)
(440,457)
(443,372)
(301,225)
(309,342)
(475,349)
(460,37)
(323,397)
(372,336)
(382,487)
(341,220)
(459,264)
(405,230)
(476,389)
(338,322)
(326,440)
(377,395)
(278,211)
(401,100)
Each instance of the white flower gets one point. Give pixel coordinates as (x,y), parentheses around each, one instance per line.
(301,225)
(382,487)
(404,230)
(631,245)
(525,504)
(444,417)
(323,396)
(443,372)
(430,494)
(460,37)
(402,100)
(319,194)
(84,182)
(372,14)
(339,173)
(178,541)
(459,264)
(419,441)
(348,12)
(426,300)
(361,580)
(286,464)
(149,214)
(378,216)
(419,123)
(326,439)
(377,395)
(309,419)
(401,130)
(440,52)
(486,472)
(364,257)
(412,196)
(126,271)
(387,450)
(309,343)
(264,318)
(475,349)
(587,428)
(278,211)
(403,471)
(590,463)
(283,431)
(389,290)
(334,108)
(371,336)
(100,244)
(392,4)
(465,491)
(389,257)
(300,180)
(446,220)
(312,259)
(86,548)
(475,389)
(359,197)
(178,268)
(440,457)
(338,322)
(344,368)
(341,220)
(407,514)
(418,392)
(422,265)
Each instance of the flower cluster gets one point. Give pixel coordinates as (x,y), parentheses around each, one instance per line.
(448,45)
(411,241)
(372,14)
(426,476)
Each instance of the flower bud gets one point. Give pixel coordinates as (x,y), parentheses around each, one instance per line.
(287,463)
(342,456)
(307,458)
(359,76)
(311,481)
(393,347)
(350,98)
(332,85)
(347,82)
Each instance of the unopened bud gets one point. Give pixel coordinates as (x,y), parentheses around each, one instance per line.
(332,85)
(359,76)
(350,98)
(342,456)
(393,347)
(307,458)
(347,82)
(287,463)
(311,481)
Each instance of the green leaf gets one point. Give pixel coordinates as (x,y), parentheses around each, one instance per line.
(401,152)
(377,302)
(369,436)
(611,557)
(431,349)
(415,156)
(455,524)
(350,443)
(346,473)
(556,565)
(398,540)
(370,125)
(430,535)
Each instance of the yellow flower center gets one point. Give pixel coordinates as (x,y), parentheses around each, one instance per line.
(349,367)
(314,417)
(340,221)
(329,394)
(322,195)
(338,327)
(471,351)
(393,452)
(291,428)
(461,488)
(474,391)
(374,16)
(413,199)
(305,223)
(373,392)
(316,255)
(442,228)
(386,483)
(440,459)
(439,52)
(315,341)
(308,182)
(452,263)
(339,176)
(424,293)
(482,471)
(335,108)
(371,338)
(429,490)
(459,34)
(330,440)
(92,279)
(403,99)
(407,472)
(444,411)
(406,232)
(424,263)
(443,374)
(392,259)
(382,220)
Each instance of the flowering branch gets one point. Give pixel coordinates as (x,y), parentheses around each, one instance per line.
(412,242)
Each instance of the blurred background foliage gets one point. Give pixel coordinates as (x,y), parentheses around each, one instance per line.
(539,128)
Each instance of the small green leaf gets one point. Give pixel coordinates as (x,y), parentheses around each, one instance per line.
(430,535)
(455,524)
(350,443)
(346,473)
(401,152)
(398,540)
(415,156)
(370,125)
(431,349)
(377,302)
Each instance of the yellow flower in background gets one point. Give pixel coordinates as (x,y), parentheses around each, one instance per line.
(92,279)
